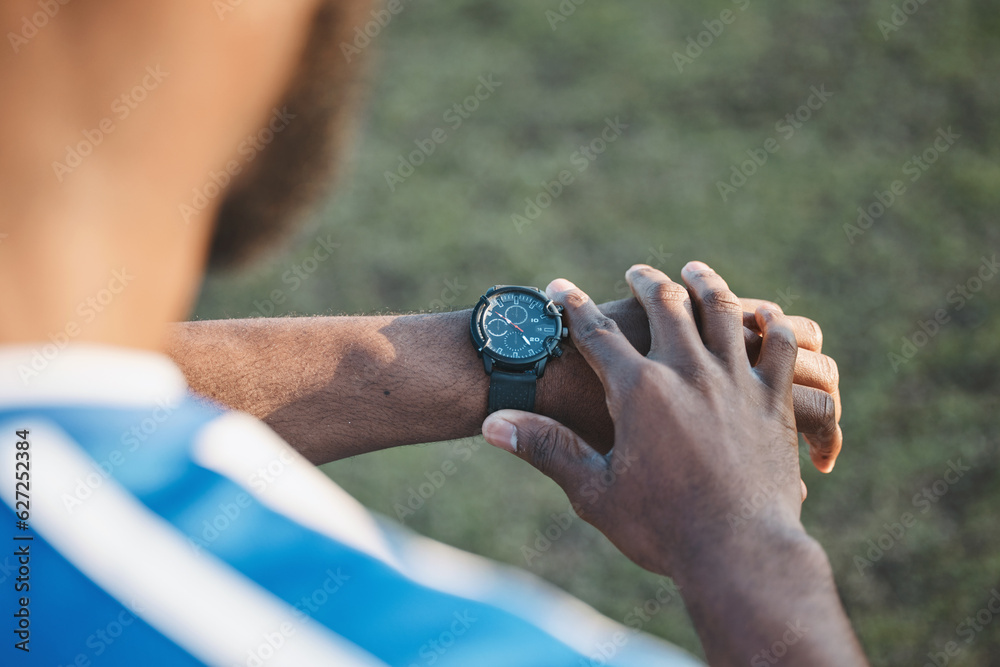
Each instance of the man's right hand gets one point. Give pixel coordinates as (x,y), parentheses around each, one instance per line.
(697,430)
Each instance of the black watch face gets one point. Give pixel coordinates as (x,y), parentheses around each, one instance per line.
(517,325)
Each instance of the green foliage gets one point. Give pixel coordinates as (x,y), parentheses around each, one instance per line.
(781,236)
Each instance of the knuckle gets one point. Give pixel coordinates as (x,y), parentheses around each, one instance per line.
(702,274)
(595,328)
(826,412)
(644,271)
(782,340)
(829,371)
(721,300)
(666,292)
(547,441)
(815,332)
(575,298)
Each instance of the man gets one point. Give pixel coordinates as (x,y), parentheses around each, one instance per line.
(151,527)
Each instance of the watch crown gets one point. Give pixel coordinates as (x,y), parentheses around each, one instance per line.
(565,332)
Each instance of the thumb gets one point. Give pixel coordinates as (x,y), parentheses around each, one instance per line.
(554,449)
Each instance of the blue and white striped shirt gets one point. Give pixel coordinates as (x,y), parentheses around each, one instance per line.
(168,531)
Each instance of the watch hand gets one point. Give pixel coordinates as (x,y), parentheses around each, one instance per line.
(525,338)
(504,317)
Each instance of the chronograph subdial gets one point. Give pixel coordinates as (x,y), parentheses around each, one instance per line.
(517,342)
(497,327)
(516,314)
(500,324)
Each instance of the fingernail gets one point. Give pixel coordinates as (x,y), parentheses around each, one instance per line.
(696,266)
(636,267)
(500,433)
(559,285)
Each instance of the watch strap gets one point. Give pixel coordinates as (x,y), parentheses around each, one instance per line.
(512,391)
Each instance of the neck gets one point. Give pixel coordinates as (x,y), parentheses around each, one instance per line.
(116,114)
(112,277)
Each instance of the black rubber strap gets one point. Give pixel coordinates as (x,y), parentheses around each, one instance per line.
(512,391)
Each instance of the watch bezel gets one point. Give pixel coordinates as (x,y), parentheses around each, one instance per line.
(479,337)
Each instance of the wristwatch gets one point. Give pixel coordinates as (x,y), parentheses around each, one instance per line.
(516,330)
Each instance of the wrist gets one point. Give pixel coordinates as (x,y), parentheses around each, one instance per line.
(570,391)
(744,557)
(743,594)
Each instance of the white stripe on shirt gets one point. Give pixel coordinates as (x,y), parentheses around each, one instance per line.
(238,447)
(200,603)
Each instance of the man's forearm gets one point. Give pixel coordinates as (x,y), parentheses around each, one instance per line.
(339,386)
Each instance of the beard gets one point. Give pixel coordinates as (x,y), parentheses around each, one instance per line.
(295,172)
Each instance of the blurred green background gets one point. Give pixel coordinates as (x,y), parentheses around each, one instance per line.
(653,196)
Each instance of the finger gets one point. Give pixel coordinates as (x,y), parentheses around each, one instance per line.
(811,369)
(673,332)
(778,351)
(807,332)
(552,448)
(824,449)
(594,334)
(750,306)
(720,311)
(819,372)
(816,419)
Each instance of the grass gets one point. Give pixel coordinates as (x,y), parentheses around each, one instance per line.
(653,196)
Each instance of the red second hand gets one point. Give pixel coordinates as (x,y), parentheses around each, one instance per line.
(509,322)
